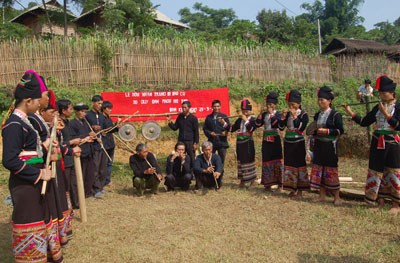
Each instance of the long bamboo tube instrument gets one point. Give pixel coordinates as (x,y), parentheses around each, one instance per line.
(360,103)
(100,142)
(146,115)
(53,135)
(81,191)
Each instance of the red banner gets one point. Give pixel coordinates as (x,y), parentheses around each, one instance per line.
(158,102)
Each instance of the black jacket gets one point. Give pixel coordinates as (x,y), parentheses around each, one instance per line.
(212,124)
(188,128)
(176,167)
(139,165)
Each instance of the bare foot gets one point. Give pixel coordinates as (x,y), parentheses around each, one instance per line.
(279,190)
(252,184)
(293,194)
(338,202)
(241,185)
(394,210)
(321,200)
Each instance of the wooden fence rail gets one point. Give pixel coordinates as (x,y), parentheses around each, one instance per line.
(78,62)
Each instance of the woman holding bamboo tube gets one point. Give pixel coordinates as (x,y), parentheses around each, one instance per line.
(383,179)
(33,238)
(295,176)
(324,172)
(272,161)
(245,151)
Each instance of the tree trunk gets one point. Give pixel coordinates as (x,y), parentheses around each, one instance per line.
(48,17)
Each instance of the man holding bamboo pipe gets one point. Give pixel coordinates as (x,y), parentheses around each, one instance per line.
(146,171)
(80,130)
(188,126)
(97,121)
(214,129)
(208,167)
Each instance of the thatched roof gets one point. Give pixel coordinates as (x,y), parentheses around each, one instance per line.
(394,53)
(95,14)
(342,46)
(38,10)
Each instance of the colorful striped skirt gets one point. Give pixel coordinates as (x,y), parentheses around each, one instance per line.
(272,167)
(246,163)
(295,175)
(383,180)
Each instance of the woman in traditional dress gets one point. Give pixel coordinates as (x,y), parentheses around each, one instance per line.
(63,202)
(33,235)
(295,176)
(383,180)
(324,173)
(245,152)
(271,146)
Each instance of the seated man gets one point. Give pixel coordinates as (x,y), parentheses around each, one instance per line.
(179,169)
(146,171)
(208,167)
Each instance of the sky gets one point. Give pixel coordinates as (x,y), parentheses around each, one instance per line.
(248,9)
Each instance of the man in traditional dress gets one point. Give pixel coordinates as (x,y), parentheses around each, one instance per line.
(108,138)
(97,122)
(188,126)
(81,130)
(208,167)
(179,169)
(146,171)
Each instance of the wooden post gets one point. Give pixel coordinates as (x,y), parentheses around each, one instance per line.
(81,191)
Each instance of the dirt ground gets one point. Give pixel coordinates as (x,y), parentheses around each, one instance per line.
(231,225)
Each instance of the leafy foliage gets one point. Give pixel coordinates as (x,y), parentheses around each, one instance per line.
(207,22)
(139,13)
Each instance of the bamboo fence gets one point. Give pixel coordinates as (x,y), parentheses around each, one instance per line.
(77,62)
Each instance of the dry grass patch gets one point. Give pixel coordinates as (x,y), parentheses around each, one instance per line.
(232,225)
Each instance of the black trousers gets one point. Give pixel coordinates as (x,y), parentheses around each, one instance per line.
(73,188)
(100,170)
(88,174)
(172,181)
(189,149)
(207,180)
(221,152)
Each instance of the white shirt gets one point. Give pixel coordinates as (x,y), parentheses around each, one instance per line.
(364,91)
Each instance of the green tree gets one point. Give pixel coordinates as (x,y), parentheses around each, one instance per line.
(275,25)
(336,16)
(125,13)
(207,22)
(390,33)
(241,30)
(397,22)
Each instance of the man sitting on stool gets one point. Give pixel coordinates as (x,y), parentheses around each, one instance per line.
(208,167)
(179,169)
(146,171)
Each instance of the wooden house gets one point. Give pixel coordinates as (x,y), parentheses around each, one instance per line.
(36,19)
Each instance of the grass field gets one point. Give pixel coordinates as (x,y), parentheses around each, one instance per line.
(232,225)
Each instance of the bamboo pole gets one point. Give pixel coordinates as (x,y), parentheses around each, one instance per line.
(81,191)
